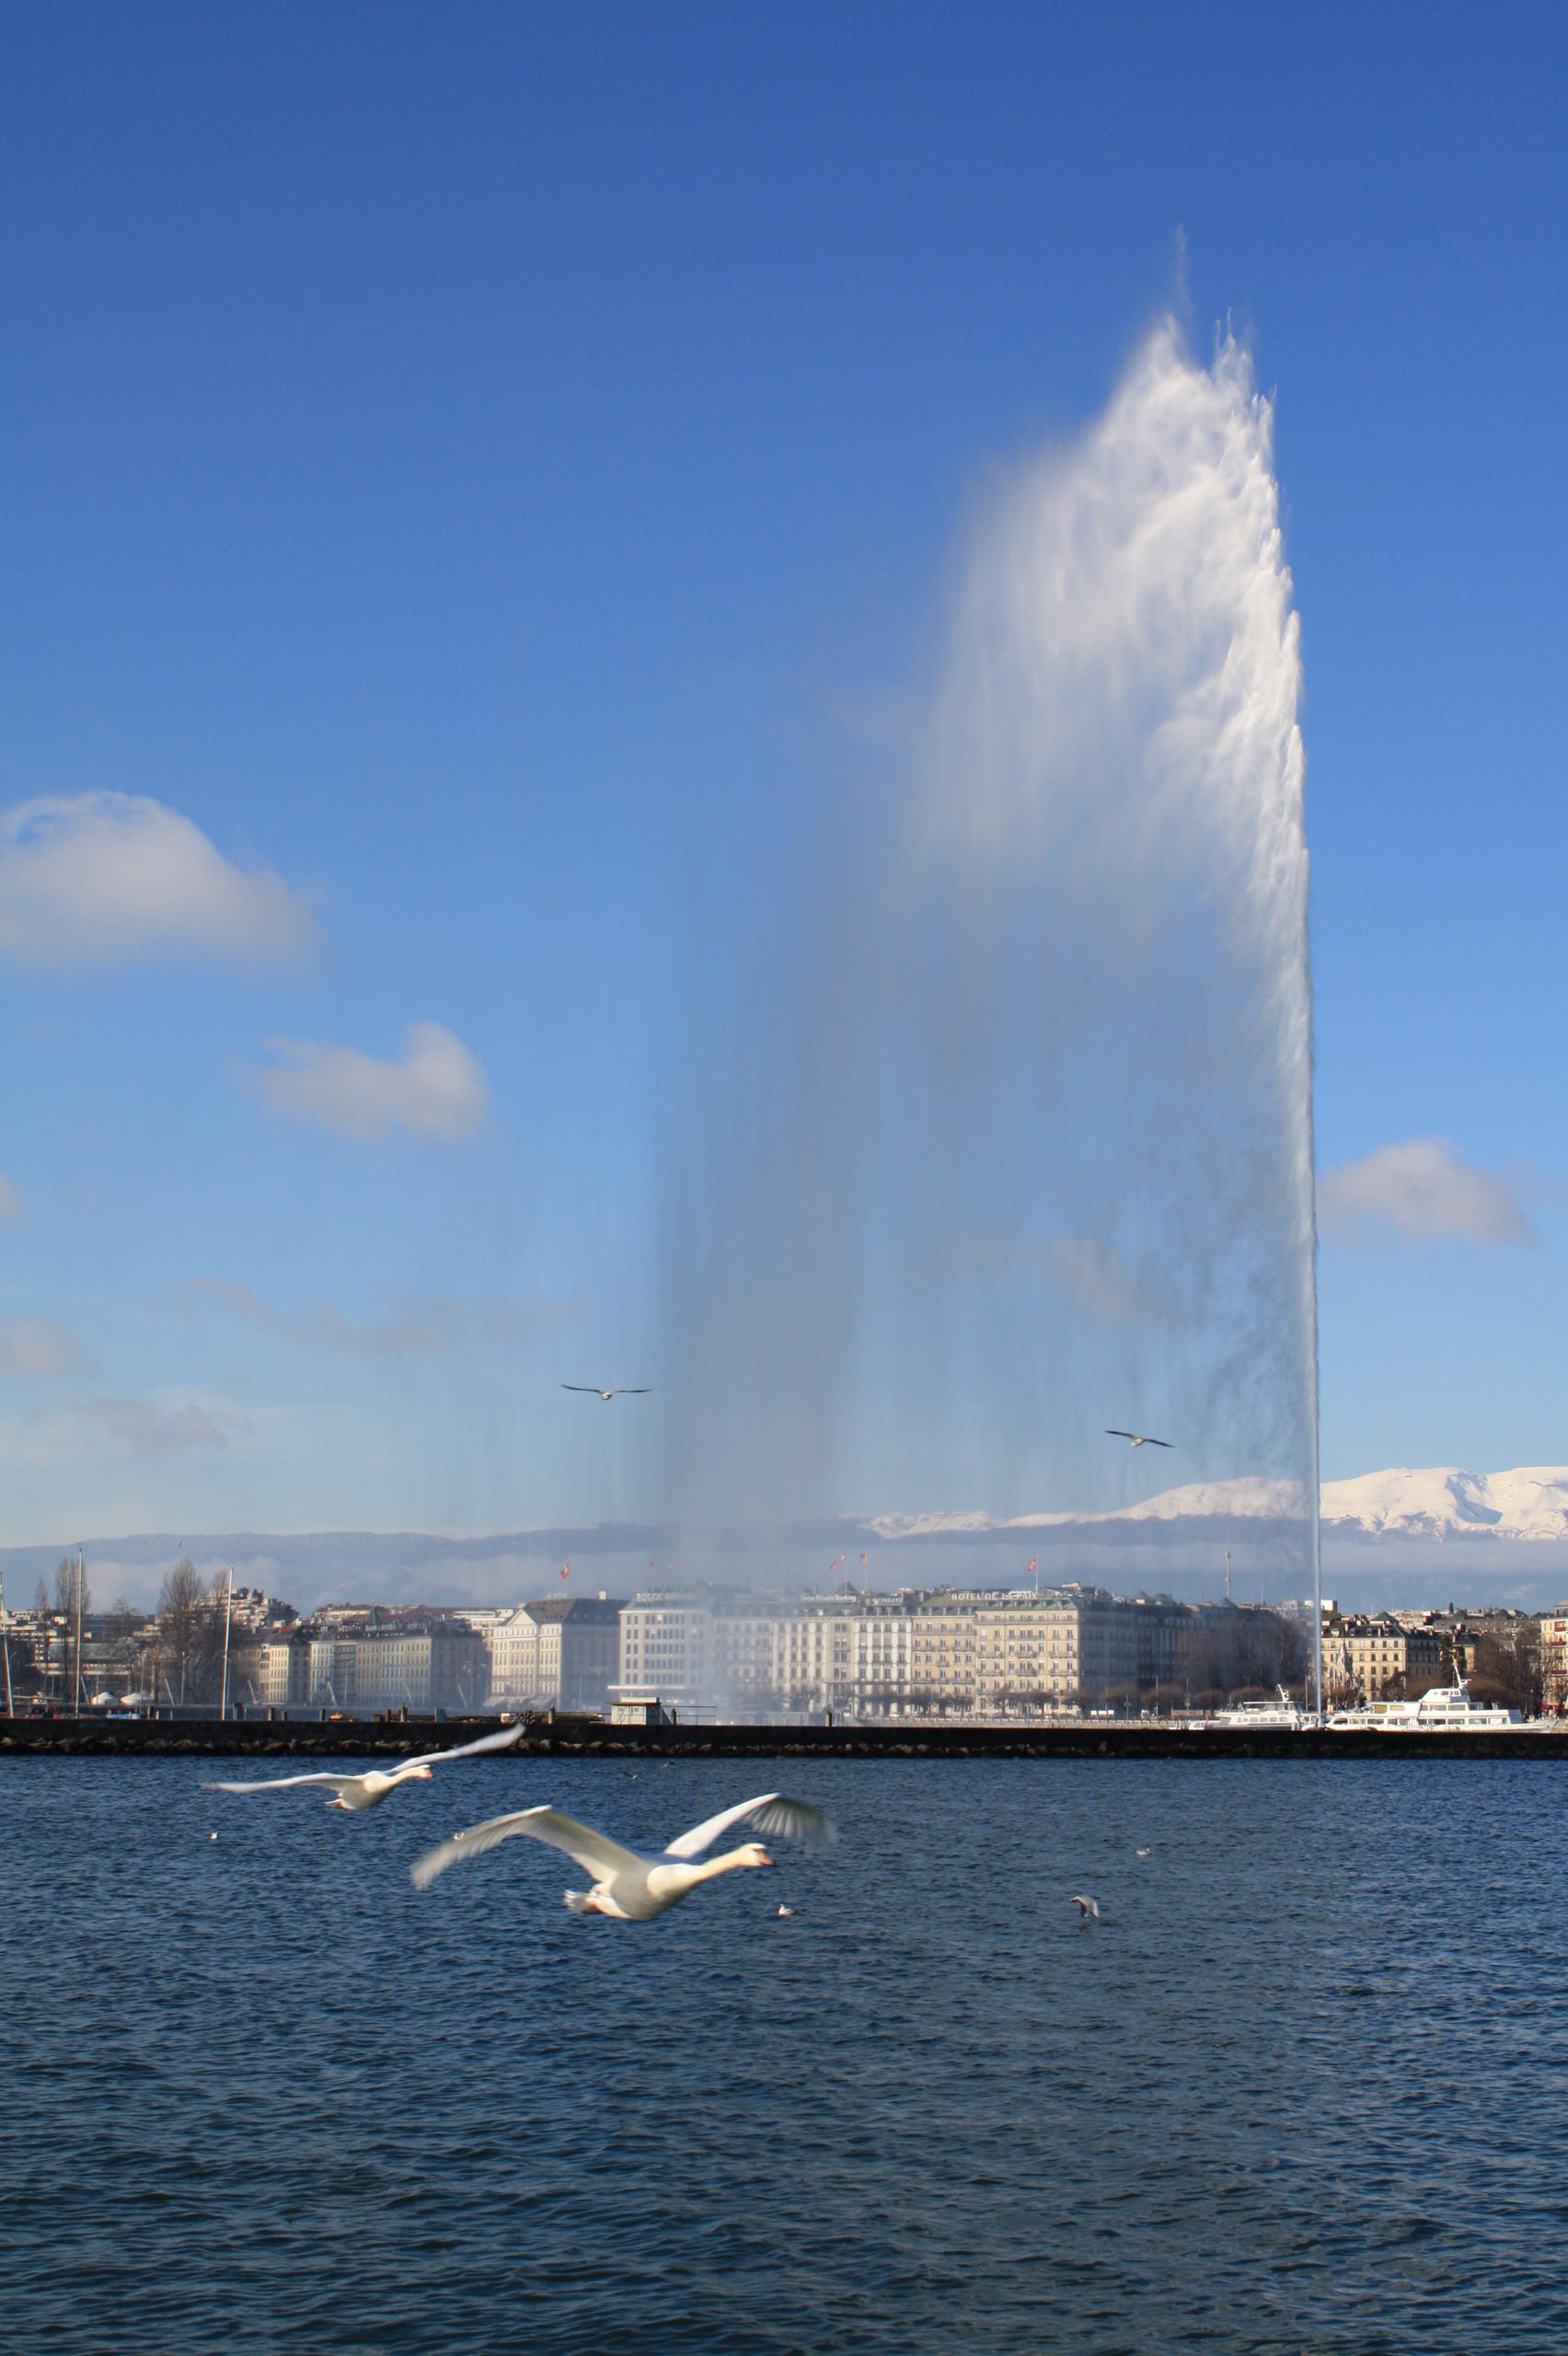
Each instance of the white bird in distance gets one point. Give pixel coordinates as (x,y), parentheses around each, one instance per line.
(628,1886)
(366,1791)
(626,1390)
(1140,1440)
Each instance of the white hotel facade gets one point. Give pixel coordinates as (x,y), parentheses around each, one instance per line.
(917,1654)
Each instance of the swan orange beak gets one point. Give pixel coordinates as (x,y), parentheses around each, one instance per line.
(763,1858)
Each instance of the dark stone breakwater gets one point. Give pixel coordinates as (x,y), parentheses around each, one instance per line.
(564,1737)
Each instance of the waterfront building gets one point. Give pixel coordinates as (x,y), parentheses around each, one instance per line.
(1372,1659)
(254,1612)
(441,1667)
(919,1653)
(1554,1661)
(813,1652)
(666,1646)
(270,1673)
(260,1671)
(416,1666)
(562,1653)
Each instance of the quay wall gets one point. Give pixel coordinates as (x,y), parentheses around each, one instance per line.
(577,1737)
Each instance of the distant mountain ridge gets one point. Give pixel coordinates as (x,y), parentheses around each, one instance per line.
(1387,1536)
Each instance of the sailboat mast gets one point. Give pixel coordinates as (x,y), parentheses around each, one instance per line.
(229,1610)
(6,1645)
(76,1690)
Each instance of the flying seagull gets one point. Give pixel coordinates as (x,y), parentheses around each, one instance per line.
(631,1887)
(1140,1440)
(1087,1907)
(365,1791)
(626,1390)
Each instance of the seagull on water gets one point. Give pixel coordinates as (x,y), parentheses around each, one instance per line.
(626,1390)
(1144,1853)
(1087,1908)
(628,1885)
(1140,1440)
(365,1791)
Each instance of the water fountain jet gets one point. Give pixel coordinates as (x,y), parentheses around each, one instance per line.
(1024,1141)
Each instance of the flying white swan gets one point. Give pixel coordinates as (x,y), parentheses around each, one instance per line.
(1140,1440)
(630,1887)
(365,1791)
(626,1390)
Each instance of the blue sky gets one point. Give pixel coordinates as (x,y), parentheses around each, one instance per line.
(468,467)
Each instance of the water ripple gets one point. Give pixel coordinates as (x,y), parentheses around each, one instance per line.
(1297,2089)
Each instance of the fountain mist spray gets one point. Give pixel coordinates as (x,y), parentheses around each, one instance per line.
(1014,1140)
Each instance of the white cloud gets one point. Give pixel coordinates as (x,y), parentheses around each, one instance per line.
(435,1087)
(405,1335)
(150,1430)
(1423,1192)
(90,879)
(1098,1280)
(10,1201)
(36,1345)
(1091,1273)
(417,1326)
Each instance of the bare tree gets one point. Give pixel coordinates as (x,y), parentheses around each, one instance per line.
(185,1631)
(1237,1649)
(1507,1667)
(73,1601)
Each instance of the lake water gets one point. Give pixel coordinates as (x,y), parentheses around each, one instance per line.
(1301,2087)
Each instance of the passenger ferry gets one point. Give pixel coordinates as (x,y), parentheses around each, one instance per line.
(1442,1709)
(1283,1713)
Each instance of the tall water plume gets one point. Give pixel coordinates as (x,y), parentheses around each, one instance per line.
(1016,1138)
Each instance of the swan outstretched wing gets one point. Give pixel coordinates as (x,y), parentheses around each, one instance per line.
(501,1741)
(593,1852)
(286,1783)
(771,1814)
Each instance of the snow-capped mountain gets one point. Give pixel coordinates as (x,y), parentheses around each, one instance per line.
(1435,1504)
(1532,1502)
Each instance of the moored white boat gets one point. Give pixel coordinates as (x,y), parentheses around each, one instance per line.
(1442,1709)
(1283,1713)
